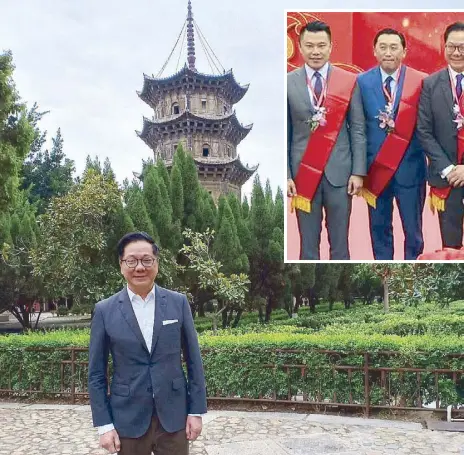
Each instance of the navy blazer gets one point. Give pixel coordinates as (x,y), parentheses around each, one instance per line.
(412,168)
(144,380)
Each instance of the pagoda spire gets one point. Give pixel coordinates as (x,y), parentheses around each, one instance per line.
(190,39)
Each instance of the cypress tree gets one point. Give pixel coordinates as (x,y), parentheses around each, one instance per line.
(260,218)
(245,208)
(128,224)
(108,172)
(235,206)
(5,230)
(191,187)
(164,174)
(159,208)
(14,228)
(220,211)
(26,235)
(207,217)
(179,158)
(268,192)
(279,210)
(138,212)
(177,193)
(227,246)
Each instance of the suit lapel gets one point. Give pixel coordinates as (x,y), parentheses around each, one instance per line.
(446,88)
(301,86)
(160,310)
(399,88)
(127,311)
(377,90)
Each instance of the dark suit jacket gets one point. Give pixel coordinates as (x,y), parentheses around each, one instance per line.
(412,168)
(142,379)
(349,154)
(435,127)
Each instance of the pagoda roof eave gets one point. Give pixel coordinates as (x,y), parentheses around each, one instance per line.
(160,82)
(244,129)
(225,162)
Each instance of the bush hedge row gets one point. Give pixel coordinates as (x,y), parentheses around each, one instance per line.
(241,366)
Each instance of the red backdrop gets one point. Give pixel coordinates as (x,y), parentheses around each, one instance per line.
(352,36)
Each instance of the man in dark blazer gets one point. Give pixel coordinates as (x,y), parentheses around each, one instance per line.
(151,406)
(441,135)
(396,161)
(343,171)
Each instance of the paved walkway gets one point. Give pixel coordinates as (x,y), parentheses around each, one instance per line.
(60,429)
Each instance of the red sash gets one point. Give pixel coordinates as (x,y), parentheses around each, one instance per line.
(438,196)
(321,142)
(396,143)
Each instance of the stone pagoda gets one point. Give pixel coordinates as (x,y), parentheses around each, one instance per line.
(196,109)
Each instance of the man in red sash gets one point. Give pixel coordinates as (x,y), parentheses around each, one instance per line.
(440,130)
(326,148)
(395,159)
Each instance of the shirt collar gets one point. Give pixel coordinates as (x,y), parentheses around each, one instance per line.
(385,75)
(132,294)
(323,71)
(453,73)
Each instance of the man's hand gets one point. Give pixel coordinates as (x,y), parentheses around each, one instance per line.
(456,176)
(193,427)
(355,183)
(110,441)
(291,188)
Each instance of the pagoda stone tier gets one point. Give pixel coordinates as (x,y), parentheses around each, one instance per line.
(222,176)
(210,136)
(196,110)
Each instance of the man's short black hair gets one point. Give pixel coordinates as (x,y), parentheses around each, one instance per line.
(455,27)
(390,31)
(316,26)
(136,237)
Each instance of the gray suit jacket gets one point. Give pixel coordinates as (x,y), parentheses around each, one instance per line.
(349,154)
(436,130)
(141,379)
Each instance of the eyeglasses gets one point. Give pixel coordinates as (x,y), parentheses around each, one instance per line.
(450,48)
(132,263)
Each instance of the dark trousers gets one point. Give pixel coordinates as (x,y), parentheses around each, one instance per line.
(156,440)
(451,219)
(337,205)
(410,202)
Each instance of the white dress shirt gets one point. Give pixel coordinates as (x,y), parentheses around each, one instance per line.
(454,75)
(144,310)
(310,75)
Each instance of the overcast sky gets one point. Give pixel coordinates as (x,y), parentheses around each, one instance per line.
(84,60)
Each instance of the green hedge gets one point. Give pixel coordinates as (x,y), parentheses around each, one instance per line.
(234,364)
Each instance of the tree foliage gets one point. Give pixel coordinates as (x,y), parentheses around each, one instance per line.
(77,261)
(16,133)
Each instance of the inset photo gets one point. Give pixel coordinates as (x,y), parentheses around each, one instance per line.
(375,137)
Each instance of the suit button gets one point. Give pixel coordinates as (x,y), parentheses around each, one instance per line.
(149,389)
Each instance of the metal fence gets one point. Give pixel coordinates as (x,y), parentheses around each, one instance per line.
(62,373)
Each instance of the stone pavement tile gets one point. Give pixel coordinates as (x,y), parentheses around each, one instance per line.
(82,408)
(263,415)
(246,448)
(379,423)
(53,407)
(4,405)
(29,431)
(210,416)
(313,444)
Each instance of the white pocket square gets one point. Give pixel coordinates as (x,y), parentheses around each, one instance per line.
(170,321)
